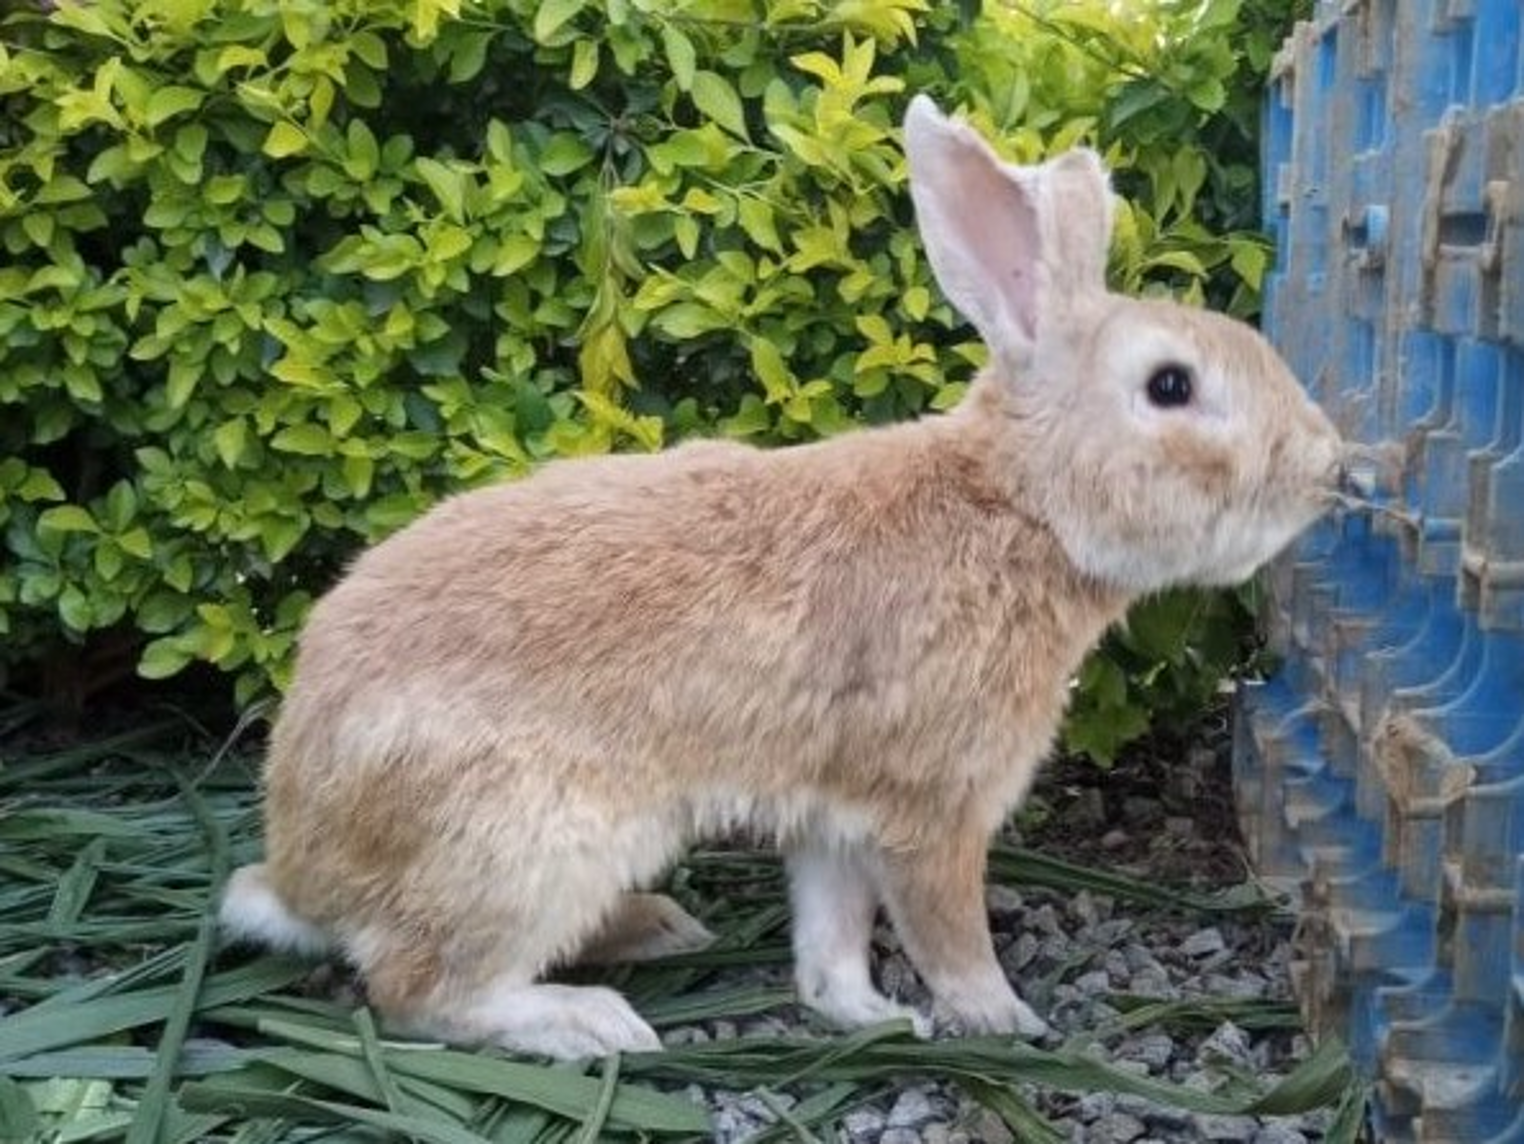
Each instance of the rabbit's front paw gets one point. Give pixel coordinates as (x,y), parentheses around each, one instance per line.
(989,1008)
(852,1005)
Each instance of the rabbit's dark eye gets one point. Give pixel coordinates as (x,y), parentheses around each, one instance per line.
(1170,386)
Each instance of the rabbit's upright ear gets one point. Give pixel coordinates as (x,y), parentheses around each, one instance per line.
(1006,243)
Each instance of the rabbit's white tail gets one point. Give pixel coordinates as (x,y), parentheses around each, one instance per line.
(252,911)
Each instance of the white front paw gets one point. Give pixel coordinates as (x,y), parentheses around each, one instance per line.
(852,1006)
(990,1009)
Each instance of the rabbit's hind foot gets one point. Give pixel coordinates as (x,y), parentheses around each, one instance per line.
(645,927)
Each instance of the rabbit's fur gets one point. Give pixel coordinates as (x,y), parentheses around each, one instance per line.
(514,714)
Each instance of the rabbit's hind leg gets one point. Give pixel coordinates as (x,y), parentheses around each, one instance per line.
(463,993)
(645,927)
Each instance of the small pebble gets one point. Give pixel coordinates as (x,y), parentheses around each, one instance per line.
(1115,839)
(1117,1129)
(1155,1050)
(1093,983)
(1278,1133)
(987,1128)
(1021,951)
(1236,1129)
(863,1123)
(912,1107)
(1095,1105)
(1228,1043)
(1203,943)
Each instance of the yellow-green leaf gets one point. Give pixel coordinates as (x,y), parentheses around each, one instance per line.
(715,98)
(681,57)
(170,101)
(67,518)
(552,15)
(285,138)
(584,64)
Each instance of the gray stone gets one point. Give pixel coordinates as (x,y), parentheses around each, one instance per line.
(863,1124)
(1044,919)
(1004,900)
(1116,967)
(1095,982)
(1116,1129)
(1083,908)
(1227,1043)
(1245,985)
(987,1128)
(1154,1049)
(1276,1132)
(1115,839)
(1056,948)
(1203,943)
(1179,826)
(1236,1129)
(1153,981)
(911,1108)
(1095,1106)
(1020,953)
(900,1136)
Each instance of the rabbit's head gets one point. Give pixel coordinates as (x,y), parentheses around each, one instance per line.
(1162,444)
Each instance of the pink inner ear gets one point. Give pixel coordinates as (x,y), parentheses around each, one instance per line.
(997,230)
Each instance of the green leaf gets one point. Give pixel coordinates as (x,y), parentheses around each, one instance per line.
(231,439)
(447,183)
(285,139)
(564,154)
(18,1117)
(716,98)
(584,67)
(67,518)
(681,57)
(136,542)
(39,485)
(551,15)
(168,102)
(307,439)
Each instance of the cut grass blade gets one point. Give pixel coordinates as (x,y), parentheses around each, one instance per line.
(127,1062)
(154,1102)
(598,1116)
(28,1032)
(201,1096)
(1021,867)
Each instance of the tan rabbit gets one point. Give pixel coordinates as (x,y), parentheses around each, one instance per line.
(511,717)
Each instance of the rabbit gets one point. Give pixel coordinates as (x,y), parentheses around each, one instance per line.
(509,718)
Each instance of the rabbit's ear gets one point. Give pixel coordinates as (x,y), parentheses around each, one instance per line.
(1005,242)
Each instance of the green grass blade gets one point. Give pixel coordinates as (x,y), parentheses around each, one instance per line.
(28,1032)
(204,1096)
(1020,1117)
(18,1115)
(155,1099)
(553,1089)
(127,1062)
(370,1049)
(598,1116)
(1019,866)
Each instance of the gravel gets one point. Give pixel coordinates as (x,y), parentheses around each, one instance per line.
(1070,954)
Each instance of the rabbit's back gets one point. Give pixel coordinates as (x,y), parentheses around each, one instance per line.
(735,634)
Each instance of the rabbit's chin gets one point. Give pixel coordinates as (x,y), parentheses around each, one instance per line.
(1228,553)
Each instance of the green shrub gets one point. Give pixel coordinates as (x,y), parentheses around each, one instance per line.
(279,274)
